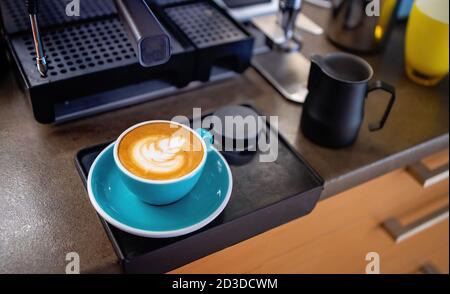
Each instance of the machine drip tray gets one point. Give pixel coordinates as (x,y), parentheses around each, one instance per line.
(129,95)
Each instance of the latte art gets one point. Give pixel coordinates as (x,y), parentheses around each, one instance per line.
(160,156)
(160,151)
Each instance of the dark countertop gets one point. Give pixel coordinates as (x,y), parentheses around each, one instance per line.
(46,212)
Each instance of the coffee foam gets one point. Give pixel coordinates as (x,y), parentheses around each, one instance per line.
(160,151)
(159,156)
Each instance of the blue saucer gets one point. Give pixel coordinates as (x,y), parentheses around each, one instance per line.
(122,209)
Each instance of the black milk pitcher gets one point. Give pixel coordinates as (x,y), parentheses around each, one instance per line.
(334,109)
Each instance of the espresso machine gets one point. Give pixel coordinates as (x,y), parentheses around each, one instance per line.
(118,53)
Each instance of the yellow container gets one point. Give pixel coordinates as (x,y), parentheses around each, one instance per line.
(427,42)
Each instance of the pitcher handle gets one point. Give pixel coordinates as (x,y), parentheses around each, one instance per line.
(380,85)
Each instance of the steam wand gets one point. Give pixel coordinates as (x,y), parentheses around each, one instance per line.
(41,62)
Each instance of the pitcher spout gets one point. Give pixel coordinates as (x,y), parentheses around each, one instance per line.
(317,60)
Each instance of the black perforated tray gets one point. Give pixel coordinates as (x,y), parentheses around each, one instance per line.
(81,50)
(265,195)
(217,38)
(87,59)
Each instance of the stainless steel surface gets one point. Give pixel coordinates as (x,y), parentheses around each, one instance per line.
(288,15)
(281,28)
(354,26)
(287,72)
(246,13)
(401,232)
(285,69)
(41,61)
(289,11)
(305,24)
(320,3)
(269,25)
(427,177)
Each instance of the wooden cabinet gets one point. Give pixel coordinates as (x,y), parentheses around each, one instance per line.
(342,230)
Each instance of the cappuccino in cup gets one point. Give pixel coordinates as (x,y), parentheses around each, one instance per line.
(160,151)
(160,162)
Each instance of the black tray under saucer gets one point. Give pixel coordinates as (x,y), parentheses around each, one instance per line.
(265,195)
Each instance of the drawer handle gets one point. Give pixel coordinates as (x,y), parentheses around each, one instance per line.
(427,177)
(400,233)
(430,269)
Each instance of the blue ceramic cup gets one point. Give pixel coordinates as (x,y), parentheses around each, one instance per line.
(163,192)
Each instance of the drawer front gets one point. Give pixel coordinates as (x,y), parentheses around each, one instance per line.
(345,251)
(340,232)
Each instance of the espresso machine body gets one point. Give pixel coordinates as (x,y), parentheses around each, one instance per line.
(93,61)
